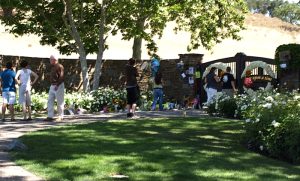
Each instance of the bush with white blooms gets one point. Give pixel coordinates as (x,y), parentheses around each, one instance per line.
(271,121)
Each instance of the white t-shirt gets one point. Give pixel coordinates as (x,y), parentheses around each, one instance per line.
(24,76)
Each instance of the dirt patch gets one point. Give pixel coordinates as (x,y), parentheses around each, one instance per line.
(268,22)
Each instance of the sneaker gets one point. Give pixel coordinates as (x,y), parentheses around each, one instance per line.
(135,117)
(129,115)
(48,119)
(59,119)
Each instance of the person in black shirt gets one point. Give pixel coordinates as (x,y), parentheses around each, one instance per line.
(131,74)
(228,83)
(211,80)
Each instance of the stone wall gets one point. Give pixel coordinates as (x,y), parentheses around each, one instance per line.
(174,85)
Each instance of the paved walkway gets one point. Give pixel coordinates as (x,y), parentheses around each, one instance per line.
(9,131)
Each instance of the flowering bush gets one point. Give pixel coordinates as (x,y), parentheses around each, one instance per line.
(39,101)
(93,101)
(145,100)
(106,97)
(222,105)
(272,123)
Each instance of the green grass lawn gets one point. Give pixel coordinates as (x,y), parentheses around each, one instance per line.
(149,149)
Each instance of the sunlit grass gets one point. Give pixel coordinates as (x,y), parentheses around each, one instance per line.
(156,149)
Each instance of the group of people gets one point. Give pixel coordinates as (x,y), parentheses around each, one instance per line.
(9,79)
(56,91)
(213,81)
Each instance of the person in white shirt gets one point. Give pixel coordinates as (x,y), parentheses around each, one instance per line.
(24,81)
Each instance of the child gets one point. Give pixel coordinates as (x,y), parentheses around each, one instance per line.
(24,81)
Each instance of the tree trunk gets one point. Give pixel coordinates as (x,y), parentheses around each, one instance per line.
(84,71)
(137,43)
(137,48)
(98,66)
(80,46)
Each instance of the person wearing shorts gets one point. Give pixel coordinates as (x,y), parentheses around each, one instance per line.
(8,91)
(131,88)
(23,78)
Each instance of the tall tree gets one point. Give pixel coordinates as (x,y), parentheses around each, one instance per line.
(264,6)
(70,26)
(208,21)
(54,22)
(289,13)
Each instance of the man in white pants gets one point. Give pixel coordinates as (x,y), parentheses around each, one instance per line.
(56,90)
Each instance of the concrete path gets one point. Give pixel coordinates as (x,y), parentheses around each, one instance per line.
(9,131)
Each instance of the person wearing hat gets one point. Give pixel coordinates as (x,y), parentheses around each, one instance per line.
(56,90)
(8,90)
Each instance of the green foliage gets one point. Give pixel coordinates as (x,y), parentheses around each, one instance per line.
(295,55)
(39,101)
(107,97)
(209,22)
(93,101)
(288,12)
(264,6)
(223,105)
(272,124)
(46,19)
(145,101)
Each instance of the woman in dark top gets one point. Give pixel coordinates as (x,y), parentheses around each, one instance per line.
(131,87)
(212,84)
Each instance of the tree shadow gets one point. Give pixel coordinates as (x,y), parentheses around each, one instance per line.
(162,149)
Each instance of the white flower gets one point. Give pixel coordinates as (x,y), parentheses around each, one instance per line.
(297,97)
(268,105)
(244,107)
(261,148)
(275,124)
(247,120)
(257,120)
(270,99)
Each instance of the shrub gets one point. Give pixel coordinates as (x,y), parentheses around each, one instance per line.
(107,97)
(222,105)
(145,100)
(272,124)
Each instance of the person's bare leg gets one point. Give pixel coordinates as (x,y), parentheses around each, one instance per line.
(128,106)
(12,111)
(3,110)
(24,111)
(133,108)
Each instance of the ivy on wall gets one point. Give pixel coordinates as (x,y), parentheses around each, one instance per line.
(294,50)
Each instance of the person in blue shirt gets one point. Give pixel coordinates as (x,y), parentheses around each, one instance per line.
(8,90)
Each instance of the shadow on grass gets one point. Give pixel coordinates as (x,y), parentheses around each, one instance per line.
(160,149)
